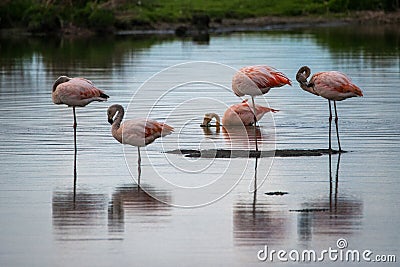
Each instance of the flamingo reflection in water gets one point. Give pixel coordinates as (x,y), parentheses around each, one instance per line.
(333,215)
(146,205)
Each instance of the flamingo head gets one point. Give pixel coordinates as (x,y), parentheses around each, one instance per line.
(112,111)
(302,74)
(60,80)
(208,118)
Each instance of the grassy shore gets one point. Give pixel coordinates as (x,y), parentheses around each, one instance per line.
(74,16)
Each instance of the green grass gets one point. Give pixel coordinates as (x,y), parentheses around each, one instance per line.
(100,14)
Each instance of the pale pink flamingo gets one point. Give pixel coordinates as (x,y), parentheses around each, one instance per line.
(75,92)
(137,132)
(238,114)
(257,80)
(332,85)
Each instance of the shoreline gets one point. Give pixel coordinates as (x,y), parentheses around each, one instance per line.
(230,25)
(273,23)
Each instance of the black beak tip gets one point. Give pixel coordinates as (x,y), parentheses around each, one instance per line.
(110,121)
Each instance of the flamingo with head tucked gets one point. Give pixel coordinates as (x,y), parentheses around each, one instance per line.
(137,132)
(331,85)
(238,114)
(257,80)
(76,92)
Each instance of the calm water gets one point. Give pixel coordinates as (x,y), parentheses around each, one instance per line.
(110,222)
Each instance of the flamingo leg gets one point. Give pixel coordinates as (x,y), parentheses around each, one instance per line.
(139,167)
(337,126)
(255,121)
(330,126)
(337,181)
(75,149)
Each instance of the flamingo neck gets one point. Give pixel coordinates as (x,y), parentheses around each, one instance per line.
(217,119)
(117,124)
(60,80)
(302,76)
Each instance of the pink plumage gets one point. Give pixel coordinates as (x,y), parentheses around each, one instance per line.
(242,114)
(331,85)
(257,80)
(76,92)
(334,85)
(137,132)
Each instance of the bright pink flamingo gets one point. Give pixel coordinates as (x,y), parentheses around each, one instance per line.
(76,92)
(137,132)
(257,80)
(238,114)
(332,85)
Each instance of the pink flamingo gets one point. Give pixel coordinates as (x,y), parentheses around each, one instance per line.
(257,80)
(238,114)
(75,92)
(332,85)
(137,132)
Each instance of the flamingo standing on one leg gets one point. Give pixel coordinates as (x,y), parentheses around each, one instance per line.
(238,114)
(257,80)
(332,85)
(76,92)
(137,132)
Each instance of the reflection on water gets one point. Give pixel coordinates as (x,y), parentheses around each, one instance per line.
(257,223)
(243,137)
(359,43)
(37,153)
(260,224)
(335,214)
(76,216)
(269,222)
(131,200)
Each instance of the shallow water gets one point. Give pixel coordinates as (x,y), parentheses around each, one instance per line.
(109,221)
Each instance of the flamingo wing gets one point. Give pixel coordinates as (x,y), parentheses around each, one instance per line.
(265,76)
(141,131)
(78,92)
(257,80)
(242,114)
(334,85)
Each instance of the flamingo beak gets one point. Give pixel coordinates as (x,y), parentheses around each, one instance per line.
(110,120)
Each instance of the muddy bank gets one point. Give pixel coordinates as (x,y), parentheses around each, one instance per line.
(218,26)
(224,153)
(269,23)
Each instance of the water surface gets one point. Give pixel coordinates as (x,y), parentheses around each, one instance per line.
(109,221)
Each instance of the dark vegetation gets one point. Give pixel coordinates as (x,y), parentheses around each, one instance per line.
(108,15)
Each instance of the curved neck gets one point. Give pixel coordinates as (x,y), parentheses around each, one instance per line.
(217,119)
(60,80)
(117,123)
(302,76)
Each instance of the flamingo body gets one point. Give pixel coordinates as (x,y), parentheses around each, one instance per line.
(140,132)
(136,132)
(239,114)
(257,80)
(76,92)
(331,85)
